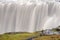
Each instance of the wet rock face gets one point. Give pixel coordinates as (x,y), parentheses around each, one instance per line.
(29,39)
(50,32)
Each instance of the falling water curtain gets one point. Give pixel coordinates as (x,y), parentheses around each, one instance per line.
(28,16)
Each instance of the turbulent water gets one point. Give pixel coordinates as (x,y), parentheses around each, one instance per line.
(28,17)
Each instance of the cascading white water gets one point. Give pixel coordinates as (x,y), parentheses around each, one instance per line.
(50,23)
(28,16)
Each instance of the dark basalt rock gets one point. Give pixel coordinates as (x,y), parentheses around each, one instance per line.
(29,38)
